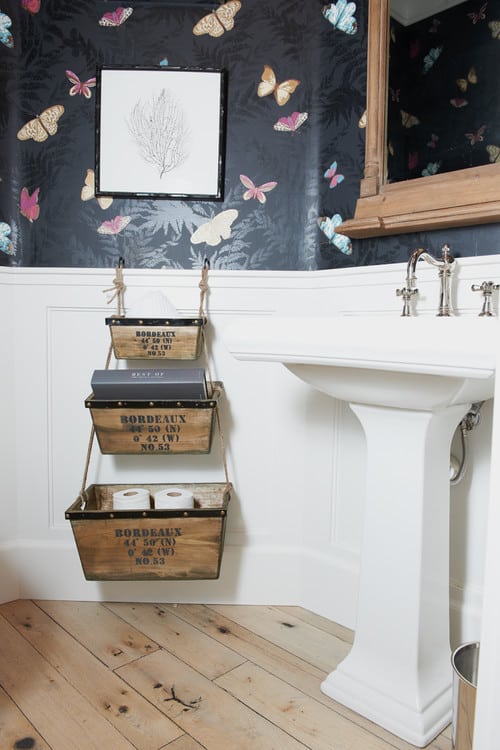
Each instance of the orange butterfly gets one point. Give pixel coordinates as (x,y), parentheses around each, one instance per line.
(281,91)
(221,20)
(408,120)
(42,126)
(463,83)
(88,191)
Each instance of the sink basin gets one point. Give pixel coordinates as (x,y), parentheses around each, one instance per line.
(409,381)
(413,363)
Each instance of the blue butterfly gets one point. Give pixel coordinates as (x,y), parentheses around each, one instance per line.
(5,35)
(328,226)
(431,58)
(341,16)
(164,62)
(6,244)
(431,168)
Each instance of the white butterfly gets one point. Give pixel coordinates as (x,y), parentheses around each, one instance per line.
(215,230)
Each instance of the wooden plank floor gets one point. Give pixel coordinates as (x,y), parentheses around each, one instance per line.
(86,675)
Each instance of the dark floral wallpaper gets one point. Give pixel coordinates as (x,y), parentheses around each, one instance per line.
(294,149)
(443,107)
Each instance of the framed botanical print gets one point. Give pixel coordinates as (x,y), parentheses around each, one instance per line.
(160,132)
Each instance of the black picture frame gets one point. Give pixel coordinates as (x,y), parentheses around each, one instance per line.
(160,132)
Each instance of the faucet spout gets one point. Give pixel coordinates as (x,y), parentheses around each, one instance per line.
(444,265)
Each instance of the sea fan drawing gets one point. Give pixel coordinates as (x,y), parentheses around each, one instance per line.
(159,129)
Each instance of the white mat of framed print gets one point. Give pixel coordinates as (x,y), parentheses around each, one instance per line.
(160,132)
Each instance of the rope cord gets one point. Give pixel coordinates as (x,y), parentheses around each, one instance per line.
(118,290)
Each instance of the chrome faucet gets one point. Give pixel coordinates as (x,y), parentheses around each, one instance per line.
(445,265)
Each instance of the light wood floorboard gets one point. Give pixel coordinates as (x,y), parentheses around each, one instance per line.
(125,676)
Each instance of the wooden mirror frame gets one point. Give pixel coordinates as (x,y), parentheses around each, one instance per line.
(453,199)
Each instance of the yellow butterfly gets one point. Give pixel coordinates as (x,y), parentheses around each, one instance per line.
(42,126)
(463,83)
(88,191)
(215,230)
(495,29)
(219,21)
(281,91)
(494,153)
(408,120)
(362,120)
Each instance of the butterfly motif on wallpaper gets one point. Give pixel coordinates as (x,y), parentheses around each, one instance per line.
(5,34)
(493,153)
(458,102)
(292,123)
(114,226)
(433,141)
(478,15)
(394,94)
(408,120)
(434,27)
(328,226)
(269,85)
(412,160)
(414,49)
(6,244)
(220,20)
(29,204)
(88,191)
(476,137)
(430,58)
(341,16)
(32,6)
(217,229)
(431,168)
(80,87)
(494,27)
(362,120)
(254,191)
(43,125)
(463,83)
(116,17)
(331,174)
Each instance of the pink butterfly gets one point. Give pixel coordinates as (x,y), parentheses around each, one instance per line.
(412,159)
(458,103)
(29,204)
(479,15)
(114,226)
(32,6)
(331,174)
(254,191)
(116,17)
(292,123)
(414,50)
(477,136)
(433,141)
(80,87)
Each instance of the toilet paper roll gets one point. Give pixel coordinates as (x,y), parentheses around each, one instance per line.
(174,497)
(153,305)
(133,498)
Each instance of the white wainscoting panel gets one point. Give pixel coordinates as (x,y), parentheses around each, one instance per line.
(296,457)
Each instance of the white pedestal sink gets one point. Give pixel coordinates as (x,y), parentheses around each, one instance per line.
(410,381)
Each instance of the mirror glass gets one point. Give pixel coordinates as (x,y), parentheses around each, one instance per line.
(443,87)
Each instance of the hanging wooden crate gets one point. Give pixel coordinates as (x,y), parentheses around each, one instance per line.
(139,545)
(149,427)
(154,338)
